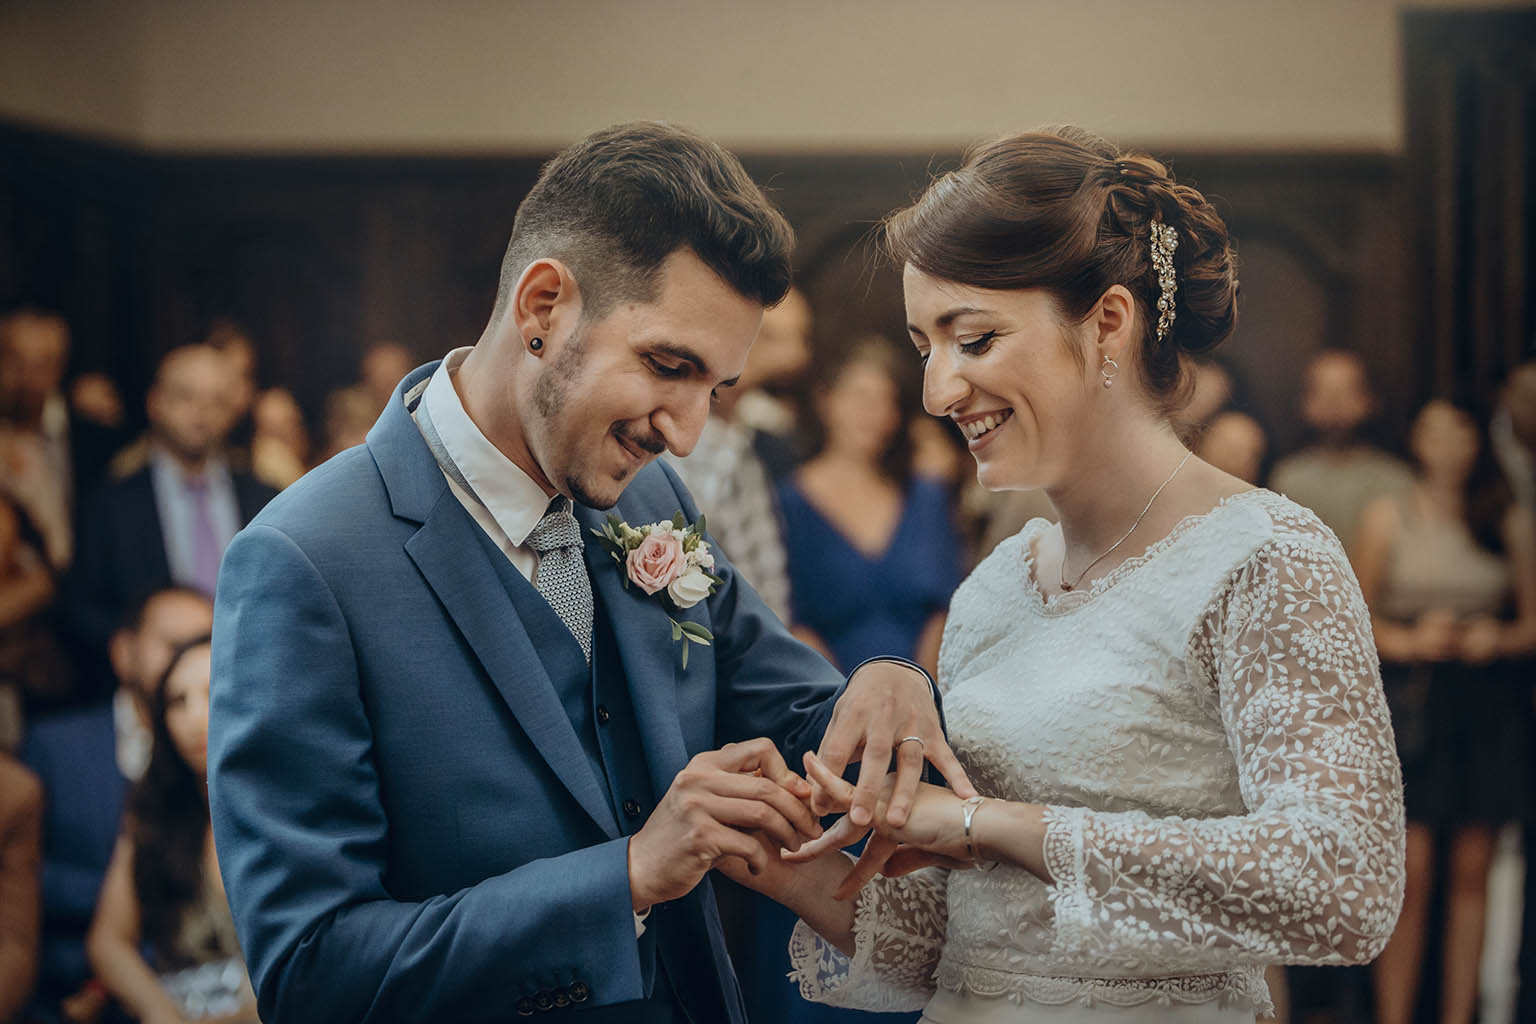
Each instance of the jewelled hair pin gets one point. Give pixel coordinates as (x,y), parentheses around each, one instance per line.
(1164,241)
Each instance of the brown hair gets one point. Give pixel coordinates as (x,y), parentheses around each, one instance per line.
(1061,209)
(616,204)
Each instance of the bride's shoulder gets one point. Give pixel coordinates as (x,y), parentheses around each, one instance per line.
(1277,532)
(1289,521)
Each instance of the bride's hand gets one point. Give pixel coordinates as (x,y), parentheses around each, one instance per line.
(932,835)
(776,879)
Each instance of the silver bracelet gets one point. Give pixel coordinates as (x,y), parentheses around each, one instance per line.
(968,809)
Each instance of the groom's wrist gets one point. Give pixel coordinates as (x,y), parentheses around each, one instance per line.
(893,659)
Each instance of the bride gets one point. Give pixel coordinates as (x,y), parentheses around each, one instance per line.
(1170,701)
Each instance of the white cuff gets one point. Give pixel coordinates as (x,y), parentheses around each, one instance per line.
(640,922)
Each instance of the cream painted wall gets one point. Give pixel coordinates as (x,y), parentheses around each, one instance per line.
(472,75)
(73,65)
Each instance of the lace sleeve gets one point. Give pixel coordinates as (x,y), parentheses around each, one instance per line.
(1313,873)
(898,933)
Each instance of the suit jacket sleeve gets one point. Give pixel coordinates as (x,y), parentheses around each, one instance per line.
(770,683)
(302,837)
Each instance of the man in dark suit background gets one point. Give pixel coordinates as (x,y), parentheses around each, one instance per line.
(167,523)
(458,769)
(51,451)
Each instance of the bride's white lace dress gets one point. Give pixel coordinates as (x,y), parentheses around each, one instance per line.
(1207,729)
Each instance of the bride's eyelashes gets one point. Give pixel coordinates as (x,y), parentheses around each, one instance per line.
(978,345)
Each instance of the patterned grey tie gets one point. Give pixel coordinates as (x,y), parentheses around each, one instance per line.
(562,573)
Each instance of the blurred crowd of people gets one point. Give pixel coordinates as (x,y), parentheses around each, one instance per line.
(110,542)
(855,516)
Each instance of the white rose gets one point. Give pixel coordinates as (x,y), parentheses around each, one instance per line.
(690,588)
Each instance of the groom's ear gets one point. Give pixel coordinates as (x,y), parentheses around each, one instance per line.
(546,300)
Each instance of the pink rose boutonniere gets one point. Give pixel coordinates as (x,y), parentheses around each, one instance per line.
(672,559)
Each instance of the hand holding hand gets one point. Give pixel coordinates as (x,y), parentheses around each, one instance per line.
(706,814)
(1436,635)
(1480,640)
(888,707)
(933,832)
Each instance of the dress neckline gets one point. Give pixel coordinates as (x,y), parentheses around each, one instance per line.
(1072,600)
(877,558)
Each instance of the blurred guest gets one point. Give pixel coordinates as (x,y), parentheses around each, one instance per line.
(776,366)
(280,443)
(1209,388)
(171,520)
(163,887)
(21,822)
(33,667)
(725,471)
(873,550)
(380,370)
(72,754)
(95,398)
(230,339)
(1448,568)
(35,465)
(85,757)
(349,415)
(1234,443)
(938,452)
(1514,432)
(384,366)
(141,650)
(1340,473)
(239,360)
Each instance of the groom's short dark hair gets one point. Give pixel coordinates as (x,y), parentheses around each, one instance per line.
(615,205)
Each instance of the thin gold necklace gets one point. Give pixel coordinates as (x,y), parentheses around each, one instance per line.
(1065,586)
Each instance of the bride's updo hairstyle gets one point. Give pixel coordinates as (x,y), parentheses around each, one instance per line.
(1061,209)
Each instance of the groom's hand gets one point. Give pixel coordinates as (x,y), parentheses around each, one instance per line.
(706,814)
(886,704)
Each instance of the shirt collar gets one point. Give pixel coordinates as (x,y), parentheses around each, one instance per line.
(165,468)
(509,494)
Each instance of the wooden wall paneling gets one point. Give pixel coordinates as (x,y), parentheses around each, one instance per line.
(1471,110)
(320,256)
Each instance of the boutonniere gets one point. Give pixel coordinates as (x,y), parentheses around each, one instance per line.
(672,559)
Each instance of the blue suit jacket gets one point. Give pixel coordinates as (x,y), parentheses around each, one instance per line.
(406,823)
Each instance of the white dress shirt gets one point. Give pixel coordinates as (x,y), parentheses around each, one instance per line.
(174,502)
(510,503)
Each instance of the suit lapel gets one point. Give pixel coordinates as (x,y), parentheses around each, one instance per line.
(149,502)
(447,552)
(643,635)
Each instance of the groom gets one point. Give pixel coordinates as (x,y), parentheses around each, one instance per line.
(458,770)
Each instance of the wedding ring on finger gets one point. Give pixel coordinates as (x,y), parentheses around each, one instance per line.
(912,739)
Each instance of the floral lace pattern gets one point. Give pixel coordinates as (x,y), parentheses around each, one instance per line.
(1207,729)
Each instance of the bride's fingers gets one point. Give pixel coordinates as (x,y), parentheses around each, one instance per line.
(910,858)
(876,852)
(835,790)
(842,833)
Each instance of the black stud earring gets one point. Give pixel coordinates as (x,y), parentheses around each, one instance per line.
(536,344)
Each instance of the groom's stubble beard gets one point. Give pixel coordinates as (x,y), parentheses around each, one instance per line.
(553,394)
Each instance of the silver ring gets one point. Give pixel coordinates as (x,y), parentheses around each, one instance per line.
(912,739)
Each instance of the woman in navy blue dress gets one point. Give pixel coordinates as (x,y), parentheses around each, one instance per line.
(873,556)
